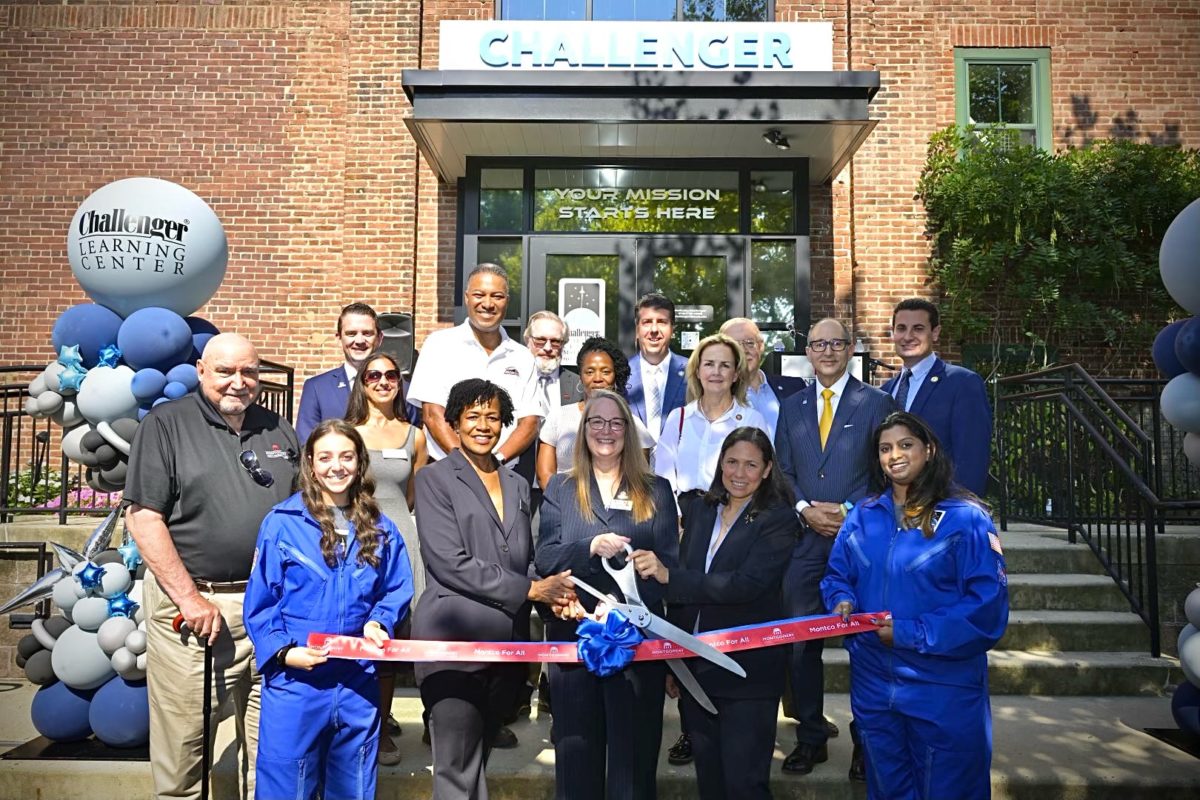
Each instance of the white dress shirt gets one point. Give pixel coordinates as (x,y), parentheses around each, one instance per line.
(688,458)
(766,402)
(454,354)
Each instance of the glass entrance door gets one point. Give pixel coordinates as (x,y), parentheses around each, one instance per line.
(594,281)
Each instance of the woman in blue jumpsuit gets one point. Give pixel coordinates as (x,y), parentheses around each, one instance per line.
(926,551)
(327,562)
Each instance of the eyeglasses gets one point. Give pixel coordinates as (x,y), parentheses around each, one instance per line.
(598,424)
(374,376)
(749,344)
(541,341)
(836,345)
(249,460)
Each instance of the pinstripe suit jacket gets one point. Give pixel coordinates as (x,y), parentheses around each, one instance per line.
(839,472)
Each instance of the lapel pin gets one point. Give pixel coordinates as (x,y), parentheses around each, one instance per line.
(934,379)
(738,417)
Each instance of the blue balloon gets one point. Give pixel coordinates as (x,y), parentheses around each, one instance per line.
(148,384)
(185,374)
(60,713)
(89,326)
(1187,345)
(174,390)
(161,400)
(1163,351)
(154,337)
(142,412)
(120,713)
(202,331)
(1185,707)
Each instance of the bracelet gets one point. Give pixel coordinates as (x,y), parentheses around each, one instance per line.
(281,655)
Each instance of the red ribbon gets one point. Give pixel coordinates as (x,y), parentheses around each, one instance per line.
(729,640)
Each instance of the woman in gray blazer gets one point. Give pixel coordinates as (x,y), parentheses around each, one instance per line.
(474,533)
(607,731)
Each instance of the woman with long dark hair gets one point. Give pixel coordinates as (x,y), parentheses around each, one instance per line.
(327,561)
(735,550)
(607,730)
(396,448)
(925,550)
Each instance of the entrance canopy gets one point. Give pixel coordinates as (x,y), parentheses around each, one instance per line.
(610,114)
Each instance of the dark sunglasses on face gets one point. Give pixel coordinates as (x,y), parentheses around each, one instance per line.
(249,460)
(374,376)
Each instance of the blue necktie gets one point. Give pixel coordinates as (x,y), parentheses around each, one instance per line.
(902,390)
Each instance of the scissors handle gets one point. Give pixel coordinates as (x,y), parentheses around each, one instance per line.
(625,577)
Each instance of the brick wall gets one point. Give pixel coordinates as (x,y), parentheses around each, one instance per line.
(288,118)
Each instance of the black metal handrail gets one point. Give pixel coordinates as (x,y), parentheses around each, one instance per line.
(37,478)
(1072,455)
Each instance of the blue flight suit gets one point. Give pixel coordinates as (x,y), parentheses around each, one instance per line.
(922,705)
(319,730)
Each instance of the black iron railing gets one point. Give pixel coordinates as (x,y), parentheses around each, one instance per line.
(37,478)
(1071,455)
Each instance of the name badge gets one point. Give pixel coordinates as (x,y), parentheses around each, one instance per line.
(621,504)
(394,452)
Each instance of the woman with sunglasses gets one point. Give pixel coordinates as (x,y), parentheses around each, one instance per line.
(397,450)
(601,366)
(925,550)
(326,561)
(736,546)
(607,730)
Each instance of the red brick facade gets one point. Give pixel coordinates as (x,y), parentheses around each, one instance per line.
(287,117)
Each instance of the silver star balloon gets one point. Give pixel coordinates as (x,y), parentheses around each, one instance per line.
(67,557)
(101,538)
(40,589)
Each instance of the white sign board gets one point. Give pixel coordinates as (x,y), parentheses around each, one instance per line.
(676,46)
(581,305)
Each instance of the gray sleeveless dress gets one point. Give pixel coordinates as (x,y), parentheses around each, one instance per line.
(391,483)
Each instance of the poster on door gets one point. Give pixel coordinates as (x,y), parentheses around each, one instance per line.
(581,305)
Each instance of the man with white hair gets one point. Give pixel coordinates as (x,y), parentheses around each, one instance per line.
(764,391)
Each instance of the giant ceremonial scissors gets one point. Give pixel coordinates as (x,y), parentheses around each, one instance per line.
(655,627)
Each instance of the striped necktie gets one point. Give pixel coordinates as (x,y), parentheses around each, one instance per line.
(902,390)
(654,410)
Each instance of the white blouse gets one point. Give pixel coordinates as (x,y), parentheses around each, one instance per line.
(687,457)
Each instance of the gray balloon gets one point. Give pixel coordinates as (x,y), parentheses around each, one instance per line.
(44,637)
(112,633)
(70,446)
(125,427)
(78,660)
(1179,258)
(49,402)
(136,642)
(57,626)
(50,376)
(37,386)
(1181,402)
(115,475)
(1191,607)
(109,556)
(124,662)
(116,579)
(68,415)
(32,408)
(1191,448)
(90,613)
(1189,659)
(64,595)
(39,668)
(1188,632)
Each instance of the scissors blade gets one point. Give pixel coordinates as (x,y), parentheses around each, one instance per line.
(592,590)
(665,630)
(690,683)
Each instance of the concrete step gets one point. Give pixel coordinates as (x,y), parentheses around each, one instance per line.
(1044,749)
(1013,672)
(1045,553)
(1065,592)
(1068,631)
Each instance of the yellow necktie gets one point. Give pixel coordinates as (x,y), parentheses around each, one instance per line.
(826,423)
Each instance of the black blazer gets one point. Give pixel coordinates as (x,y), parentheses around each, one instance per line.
(743,587)
(477,569)
(564,537)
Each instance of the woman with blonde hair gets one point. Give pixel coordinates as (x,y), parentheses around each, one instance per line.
(607,730)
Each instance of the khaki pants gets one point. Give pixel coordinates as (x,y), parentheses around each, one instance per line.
(175,680)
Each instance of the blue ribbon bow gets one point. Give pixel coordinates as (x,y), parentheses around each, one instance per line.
(606,647)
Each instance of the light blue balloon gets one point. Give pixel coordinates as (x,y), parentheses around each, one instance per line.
(1181,402)
(78,660)
(1179,258)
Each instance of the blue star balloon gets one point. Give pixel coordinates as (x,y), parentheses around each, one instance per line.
(121,606)
(130,555)
(90,576)
(71,377)
(110,354)
(69,355)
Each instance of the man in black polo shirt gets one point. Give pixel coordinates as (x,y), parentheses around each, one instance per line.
(203,472)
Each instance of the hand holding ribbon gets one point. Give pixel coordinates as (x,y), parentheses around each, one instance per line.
(607,647)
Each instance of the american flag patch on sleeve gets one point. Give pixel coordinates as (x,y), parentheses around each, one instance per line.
(994,543)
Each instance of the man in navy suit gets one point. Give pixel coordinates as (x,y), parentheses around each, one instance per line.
(952,399)
(765,392)
(824,448)
(657,385)
(325,395)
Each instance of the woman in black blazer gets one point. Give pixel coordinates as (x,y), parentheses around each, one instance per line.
(477,548)
(735,550)
(607,731)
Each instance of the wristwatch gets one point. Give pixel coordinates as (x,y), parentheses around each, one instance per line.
(281,654)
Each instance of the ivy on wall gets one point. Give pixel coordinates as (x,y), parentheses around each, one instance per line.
(1052,251)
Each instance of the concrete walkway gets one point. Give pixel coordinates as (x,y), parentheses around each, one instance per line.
(1045,747)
